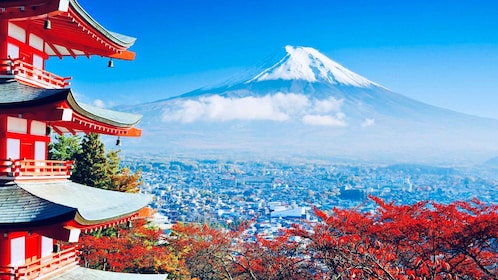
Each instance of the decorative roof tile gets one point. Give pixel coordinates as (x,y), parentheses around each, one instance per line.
(123,40)
(19,207)
(94,205)
(94,274)
(13,94)
(116,116)
(17,95)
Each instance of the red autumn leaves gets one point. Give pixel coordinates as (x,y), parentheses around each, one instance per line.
(420,241)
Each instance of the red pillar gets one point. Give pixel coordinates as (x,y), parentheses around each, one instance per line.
(3,142)
(4,32)
(4,254)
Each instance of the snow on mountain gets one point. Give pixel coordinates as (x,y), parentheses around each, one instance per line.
(305,63)
(307,103)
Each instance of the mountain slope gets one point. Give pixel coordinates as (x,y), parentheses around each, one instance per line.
(310,65)
(308,104)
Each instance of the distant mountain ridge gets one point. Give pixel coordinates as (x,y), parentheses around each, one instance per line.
(308,104)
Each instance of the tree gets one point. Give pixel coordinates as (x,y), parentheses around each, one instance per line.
(342,246)
(122,180)
(91,163)
(64,148)
(274,259)
(138,249)
(135,250)
(437,241)
(205,251)
(210,253)
(94,168)
(419,241)
(126,181)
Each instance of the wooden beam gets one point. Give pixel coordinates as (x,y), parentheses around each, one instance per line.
(57,130)
(125,55)
(71,52)
(56,51)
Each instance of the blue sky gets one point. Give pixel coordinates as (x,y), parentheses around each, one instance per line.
(441,52)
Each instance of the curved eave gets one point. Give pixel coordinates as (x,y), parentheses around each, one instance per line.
(110,117)
(50,105)
(120,39)
(20,209)
(94,206)
(74,32)
(79,272)
(15,95)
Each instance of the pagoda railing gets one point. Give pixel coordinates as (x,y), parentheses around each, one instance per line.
(29,74)
(18,169)
(39,268)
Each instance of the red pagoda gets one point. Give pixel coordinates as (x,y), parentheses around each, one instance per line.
(39,205)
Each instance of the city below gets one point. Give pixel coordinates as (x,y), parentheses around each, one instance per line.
(276,194)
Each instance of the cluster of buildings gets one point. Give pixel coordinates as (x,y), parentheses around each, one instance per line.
(276,194)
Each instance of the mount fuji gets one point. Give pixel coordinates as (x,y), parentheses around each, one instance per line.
(308,105)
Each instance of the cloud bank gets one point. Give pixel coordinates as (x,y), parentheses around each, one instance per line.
(278,107)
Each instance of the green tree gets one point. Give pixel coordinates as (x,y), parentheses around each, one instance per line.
(113,160)
(64,148)
(91,163)
(121,179)
(94,168)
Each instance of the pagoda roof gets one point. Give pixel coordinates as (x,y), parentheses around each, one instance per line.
(19,207)
(68,20)
(79,272)
(32,203)
(64,113)
(94,205)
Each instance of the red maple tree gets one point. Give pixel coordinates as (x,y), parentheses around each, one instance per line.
(425,240)
(420,241)
(138,249)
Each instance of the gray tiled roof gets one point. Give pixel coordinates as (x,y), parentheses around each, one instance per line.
(94,205)
(116,116)
(19,207)
(93,274)
(123,40)
(14,94)
(38,202)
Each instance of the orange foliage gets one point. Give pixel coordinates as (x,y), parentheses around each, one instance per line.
(421,241)
(133,250)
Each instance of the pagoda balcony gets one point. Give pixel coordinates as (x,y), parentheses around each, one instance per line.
(34,169)
(29,74)
(43,268)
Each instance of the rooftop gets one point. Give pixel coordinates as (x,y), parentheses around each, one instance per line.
(93,274)
(43,202)
(67,20)
(63,111)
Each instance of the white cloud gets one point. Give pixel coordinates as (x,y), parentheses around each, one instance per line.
(99,103)
(278,107)
(325,120)
(368,122)
(327,105)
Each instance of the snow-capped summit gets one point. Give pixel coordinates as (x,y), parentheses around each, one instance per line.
(307,104)
(305,63)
